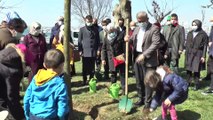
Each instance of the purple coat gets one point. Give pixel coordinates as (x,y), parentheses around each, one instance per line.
(37,49)
(174,88)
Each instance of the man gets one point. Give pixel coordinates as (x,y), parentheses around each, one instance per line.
(131,63)
(88,43)
(145,40)
(121,26)
(102,35)
(174,35)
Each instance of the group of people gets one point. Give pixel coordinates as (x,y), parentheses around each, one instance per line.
(154,55)
(150,46)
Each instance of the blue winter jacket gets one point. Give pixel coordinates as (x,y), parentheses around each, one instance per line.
(49,100)
(175,89)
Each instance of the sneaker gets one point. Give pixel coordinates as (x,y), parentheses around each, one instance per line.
(207,92)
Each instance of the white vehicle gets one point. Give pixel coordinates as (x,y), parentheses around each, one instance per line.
(74,35)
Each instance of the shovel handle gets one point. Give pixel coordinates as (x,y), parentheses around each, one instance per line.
(127,59)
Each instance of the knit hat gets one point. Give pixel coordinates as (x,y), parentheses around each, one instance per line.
(27,54)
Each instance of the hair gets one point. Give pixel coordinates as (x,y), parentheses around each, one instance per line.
(53,58)
(121,19)
(15,23)
(88,17)
(142,13)
(152,79)
(174,15)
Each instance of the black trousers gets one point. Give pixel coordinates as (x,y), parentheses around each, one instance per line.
(172,63)
(211,84)
(9,96)
(142,90)
(88,67)
(121,70)
(106,67)
(196,77)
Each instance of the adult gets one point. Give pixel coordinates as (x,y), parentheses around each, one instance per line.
(36,44)
(56,29)
(145,40)
(121,26)
(12,64)
(174,35)
(11,32)
(114,46)
(196,46)
(88,43)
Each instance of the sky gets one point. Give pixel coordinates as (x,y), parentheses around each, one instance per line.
(46,12)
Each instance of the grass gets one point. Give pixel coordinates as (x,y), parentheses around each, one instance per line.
(100,106)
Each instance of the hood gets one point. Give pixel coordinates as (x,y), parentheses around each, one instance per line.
(46,82)
(44,76)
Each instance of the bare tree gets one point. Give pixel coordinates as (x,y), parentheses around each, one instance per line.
(159,12)
(208,6)
(97,8)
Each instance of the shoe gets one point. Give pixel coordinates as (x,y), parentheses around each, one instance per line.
(209,91)
(140,102)
(196,87)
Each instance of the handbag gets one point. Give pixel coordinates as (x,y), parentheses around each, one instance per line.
(118,60)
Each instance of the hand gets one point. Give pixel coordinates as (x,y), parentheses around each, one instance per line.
(167,102)
(98,53)
(165,56)
(140,58)
(180,51)
(151,109)
(103,62)
(126,38)
(210,43)
(202,60)
(80,53)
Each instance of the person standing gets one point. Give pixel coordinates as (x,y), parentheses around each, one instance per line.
(121,26)
(56,29)
(88,43)
(174,35)
(196,47)
(113,48)
(145,40)
(36,44)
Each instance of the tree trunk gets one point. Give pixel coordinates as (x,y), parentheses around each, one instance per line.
(122,10)
(67,4)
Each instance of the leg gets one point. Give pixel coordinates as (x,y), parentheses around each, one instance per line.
(122,75)
(148,90)
(189,76)
(211,85)
(113,77)
(174,65)
(197,84)
(106,70)
(84,74)
(92,71)
(164,110)
(139,71)
(173,112)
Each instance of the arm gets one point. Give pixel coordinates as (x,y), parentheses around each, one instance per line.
(181,38)
(103,50)
(26,103)
(80,37)
(206,39)
(154,45)
(177,85)
(63,101)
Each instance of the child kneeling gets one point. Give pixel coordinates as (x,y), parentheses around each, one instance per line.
(170,89)
(46,98)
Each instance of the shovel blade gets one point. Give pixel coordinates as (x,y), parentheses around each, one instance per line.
(125,105)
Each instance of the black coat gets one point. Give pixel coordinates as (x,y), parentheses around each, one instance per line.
(113,49)
(195,49)
(88,41)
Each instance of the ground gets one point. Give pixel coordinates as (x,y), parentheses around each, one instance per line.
(100,106)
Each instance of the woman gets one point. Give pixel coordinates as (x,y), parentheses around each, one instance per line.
(113,49)
(36,44)
(196,45)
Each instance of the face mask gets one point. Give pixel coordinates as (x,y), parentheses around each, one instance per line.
(35,32)
(104,27)
(132,28)
(142,24)
(112,36)
(17,35)
(194,28)
(168,23)
(88,24)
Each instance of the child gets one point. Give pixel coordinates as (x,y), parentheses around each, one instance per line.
(46,98)
(169,87)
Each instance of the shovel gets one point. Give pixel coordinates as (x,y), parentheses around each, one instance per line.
(125,104)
